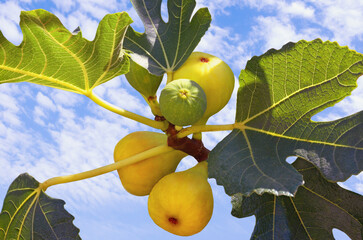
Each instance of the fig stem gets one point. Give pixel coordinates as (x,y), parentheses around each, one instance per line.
(205,128)
(108,168)
(170,76)
(141,119)
(153,104)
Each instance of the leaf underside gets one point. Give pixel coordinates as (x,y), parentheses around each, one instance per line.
(28,213)
(279,93)
(164,47)
(317,208)
(50,55)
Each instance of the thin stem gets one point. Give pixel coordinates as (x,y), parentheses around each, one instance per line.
(205,128)
(154,105)
(170,76)
(149,122)
(108,168)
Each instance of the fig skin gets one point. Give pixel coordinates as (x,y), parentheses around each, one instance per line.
(213,75)
(139,178)
(182,102)
(182,202)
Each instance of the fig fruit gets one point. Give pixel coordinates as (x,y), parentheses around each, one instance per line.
(213,75)
(139,178)
(182,202)
(182,102)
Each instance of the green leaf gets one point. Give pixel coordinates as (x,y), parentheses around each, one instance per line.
(164,47)
(28,213)
(50,55)
(279,93)
(143,81)
(317,208)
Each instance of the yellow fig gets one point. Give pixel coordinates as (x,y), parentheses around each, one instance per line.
(139,178)
(213,75)
(182,202)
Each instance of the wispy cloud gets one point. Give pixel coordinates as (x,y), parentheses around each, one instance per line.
(9,21)
(342,18)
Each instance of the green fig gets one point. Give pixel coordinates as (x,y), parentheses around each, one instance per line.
(139,178)
(182,102)
(182,202)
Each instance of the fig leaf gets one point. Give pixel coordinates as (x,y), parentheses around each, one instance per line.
(279,93)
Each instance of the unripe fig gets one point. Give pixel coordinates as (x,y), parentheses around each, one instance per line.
(182,102)
(144,82)
(139,178)
(182,202)
(213,75)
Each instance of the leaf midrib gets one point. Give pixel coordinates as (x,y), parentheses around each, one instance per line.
(81,64)
(332,203)
(298,214)
(111,53)
(249,119)
(241,127)
(66,85)
(17,210)
(158,36)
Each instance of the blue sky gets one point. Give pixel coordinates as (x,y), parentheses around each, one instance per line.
(48,132)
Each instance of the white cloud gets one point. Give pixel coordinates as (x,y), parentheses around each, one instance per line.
(275,32)
(39,115)
(335,20)
(349,105)
(354,102)
(9,107)
(342,17)
(359,185)
(9,21)
(227,45)
(64,5)
(95,8)
(72,140)
(45,101)
(296,9)
(219,7)
(80,19)
(284,9)
(66,99)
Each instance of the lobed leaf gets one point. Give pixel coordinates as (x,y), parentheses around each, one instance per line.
(50,55)
(317,208)
(28,213)
(164,47)
(279,93)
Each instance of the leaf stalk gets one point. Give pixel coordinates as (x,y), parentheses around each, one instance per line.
(205,128)
(108,168)
(141,119)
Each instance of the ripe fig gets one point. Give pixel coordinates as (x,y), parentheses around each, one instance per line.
(182,102)
(213,75)
(182,202)
(139,178)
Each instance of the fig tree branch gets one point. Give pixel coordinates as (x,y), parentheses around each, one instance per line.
(149,122)
(193,147)
(108,168)
(205,128)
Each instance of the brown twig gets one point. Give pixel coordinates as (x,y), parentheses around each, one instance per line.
(192,147)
